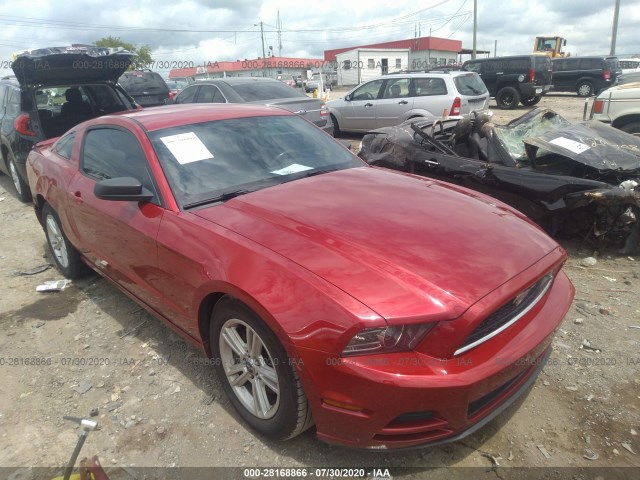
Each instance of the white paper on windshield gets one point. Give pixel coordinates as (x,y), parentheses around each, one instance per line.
(186,147)
(295,168)
(571,145)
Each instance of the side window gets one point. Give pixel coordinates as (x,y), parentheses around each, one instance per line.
(64,145)
(396,88)
(472,67)
(429,86)
(210,94)
(368,91)
(13,101)
(3,90)
(188,95)
(113,153)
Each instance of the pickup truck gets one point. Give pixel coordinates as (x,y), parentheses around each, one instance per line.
(619,106)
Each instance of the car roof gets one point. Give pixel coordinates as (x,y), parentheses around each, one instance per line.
(157,118)
(235,80)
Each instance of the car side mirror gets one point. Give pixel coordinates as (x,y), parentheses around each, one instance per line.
(348,98)
(127,189)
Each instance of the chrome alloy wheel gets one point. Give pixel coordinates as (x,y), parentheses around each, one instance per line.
(250,368)
(56,241)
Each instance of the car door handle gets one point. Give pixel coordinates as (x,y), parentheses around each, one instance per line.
(402,102)
(368,104)
(77,196)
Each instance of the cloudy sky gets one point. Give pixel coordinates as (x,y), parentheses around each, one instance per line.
(218,30)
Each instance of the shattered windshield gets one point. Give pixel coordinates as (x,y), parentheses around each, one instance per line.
(513,134)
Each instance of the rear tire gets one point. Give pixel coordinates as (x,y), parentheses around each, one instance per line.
(531,101)
(507,98)
(256,373)
(584,89)
(633,128)
(22,189)
(65,255)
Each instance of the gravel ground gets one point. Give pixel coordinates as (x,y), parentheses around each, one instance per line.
(159,403)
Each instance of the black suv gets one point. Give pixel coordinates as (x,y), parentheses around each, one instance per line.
(53,90)
(584,75)
(147,88)
(512,80)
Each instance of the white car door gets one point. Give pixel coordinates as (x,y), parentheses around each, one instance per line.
(359,110)
(395,102)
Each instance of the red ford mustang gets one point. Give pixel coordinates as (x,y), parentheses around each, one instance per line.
(390,310)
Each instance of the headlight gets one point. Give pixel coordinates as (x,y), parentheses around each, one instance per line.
(386,339)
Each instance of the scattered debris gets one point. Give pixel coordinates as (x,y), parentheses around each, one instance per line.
(510,457)
(93,412)
(544,451)
(633,432)
(591,455)
(590,397)
(627,447)
(133,331)
(110,407)
(579,321)
(611,279)
(616,452)
(53,286)
(572,388)
(34,270)
(586,345)
(38,324)
(588,262)
(208,399)
(634,326)
(83,386)
(546,383)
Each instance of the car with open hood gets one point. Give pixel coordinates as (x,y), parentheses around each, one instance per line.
(389,310)
(573,179)
(53,90)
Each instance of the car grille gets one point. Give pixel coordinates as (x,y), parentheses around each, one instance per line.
(507,314)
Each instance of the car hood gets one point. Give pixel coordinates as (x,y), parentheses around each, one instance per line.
(410,248)
(67,65)
(591,143)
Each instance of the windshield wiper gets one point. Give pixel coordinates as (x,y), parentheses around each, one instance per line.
(319,172)
(223,197)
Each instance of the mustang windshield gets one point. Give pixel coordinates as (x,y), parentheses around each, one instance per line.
(206,161)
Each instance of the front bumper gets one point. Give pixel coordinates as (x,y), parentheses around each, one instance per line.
(408,399)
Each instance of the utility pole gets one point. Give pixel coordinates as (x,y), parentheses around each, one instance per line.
(495,48)
(264,56)
(279,25)
(614,32)
(475,27)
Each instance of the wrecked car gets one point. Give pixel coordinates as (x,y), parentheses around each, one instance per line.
(572,179)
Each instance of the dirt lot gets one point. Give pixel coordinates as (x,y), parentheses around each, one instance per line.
(89,347)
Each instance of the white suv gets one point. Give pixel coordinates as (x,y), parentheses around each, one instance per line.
(619,106)
(392,99)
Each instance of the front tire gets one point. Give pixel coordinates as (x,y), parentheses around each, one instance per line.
(22,189)
(531,101)
(256,373)
(507,98)
(584,89)
(65,255)
(336,127)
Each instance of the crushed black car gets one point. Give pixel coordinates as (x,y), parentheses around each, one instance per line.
(572,179)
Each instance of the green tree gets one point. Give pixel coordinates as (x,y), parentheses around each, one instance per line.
(142,55)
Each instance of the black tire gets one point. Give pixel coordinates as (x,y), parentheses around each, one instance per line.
(284,412)
(584,89)
(507,98)
(22,188)
(65,255)
(531,101)
(336,127)
(633,128)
